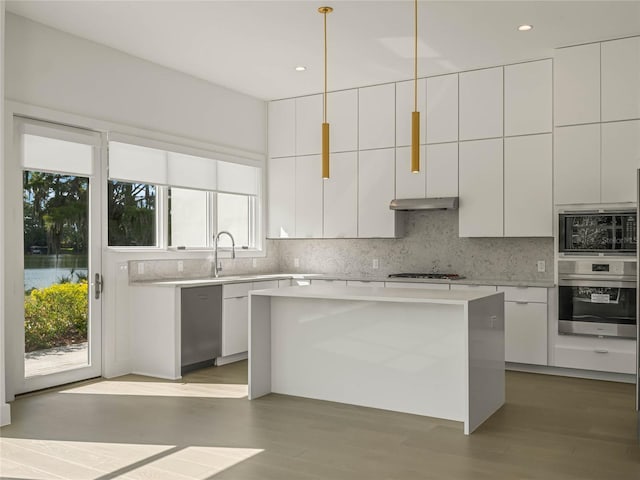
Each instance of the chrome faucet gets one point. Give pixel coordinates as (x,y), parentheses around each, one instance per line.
(217,269)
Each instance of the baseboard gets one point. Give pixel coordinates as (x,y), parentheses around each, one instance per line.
(572,372)
(5,414)
(232,358)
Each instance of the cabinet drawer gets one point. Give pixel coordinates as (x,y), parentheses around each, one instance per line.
(525,330)
(600,359)
(340,283)
(232,290)
(364,283)
(284,283)
(265,284)
(428,286)
(477,288)
(524,294)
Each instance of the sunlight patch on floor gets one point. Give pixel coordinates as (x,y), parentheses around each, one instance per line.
(34,459)
(162,389)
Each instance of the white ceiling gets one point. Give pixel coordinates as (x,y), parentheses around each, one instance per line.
(253,46)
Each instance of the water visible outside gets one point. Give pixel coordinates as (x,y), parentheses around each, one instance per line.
(41,271)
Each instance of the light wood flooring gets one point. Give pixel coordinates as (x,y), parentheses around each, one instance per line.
(205,428)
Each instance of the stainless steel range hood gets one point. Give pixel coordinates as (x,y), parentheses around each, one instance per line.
(441,203)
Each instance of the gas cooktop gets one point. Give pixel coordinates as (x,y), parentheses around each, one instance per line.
(441,276)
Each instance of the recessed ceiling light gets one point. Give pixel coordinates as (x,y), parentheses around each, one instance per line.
(300,68)
(525,28)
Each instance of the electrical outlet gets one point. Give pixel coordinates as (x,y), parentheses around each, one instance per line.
(541,266)
(296,262)
(180,266)
(376,264)
(141,268)
(254,262)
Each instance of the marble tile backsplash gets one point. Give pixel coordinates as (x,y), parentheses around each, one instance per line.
(430,244)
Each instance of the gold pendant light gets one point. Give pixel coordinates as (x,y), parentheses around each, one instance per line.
(325,124)
(415,115)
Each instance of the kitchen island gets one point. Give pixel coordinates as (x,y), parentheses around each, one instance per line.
(425,352)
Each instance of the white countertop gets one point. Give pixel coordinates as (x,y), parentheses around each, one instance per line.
(377,294)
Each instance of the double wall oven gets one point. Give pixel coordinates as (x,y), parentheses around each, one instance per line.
(597,273)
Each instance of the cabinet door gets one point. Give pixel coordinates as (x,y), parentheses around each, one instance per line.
(442,170)
(308,125)
(340,197)
(528,98)
(308,200)
(408,184)
(528,179)
(377,116)
(442,109)
(577,164)
(235,325)
(577,85)
(621,79)
(342,113)
(620,161)
(376,170)
(281,185)
(481,183)
(525,331)
(282,128)
(404,106)
(481,96)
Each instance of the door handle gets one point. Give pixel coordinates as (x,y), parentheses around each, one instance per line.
(98,285)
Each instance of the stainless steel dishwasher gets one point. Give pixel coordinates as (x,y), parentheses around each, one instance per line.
(200,326)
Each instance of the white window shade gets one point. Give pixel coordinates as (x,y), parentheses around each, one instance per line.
(236,178)
(191,172)
(54,155)
(135,164)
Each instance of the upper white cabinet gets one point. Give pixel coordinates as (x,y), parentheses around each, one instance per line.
(577,164)
(340,197)
(308,125)
(620,160)
(528,180)
(442,109)
(377,116)
(528,98)
(282,128)
(621,79)
(342,114)
(408,184)
(577,84)
(481,186)
(404,106)
(308,197)
(376,172)
(442,170)
(282,197)
(481,96)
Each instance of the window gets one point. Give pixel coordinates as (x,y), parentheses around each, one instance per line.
(132,214)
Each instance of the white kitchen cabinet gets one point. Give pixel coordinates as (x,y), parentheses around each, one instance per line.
(525,329)
(404,106)
(481,189)
(324,281)
(282,128)
(475,288)
(308,199)
(265,284)
(592,353)
(621,79)
(442,170)
(481,99)
(528,99)
(620,160)
(309,125)
(528,180)
(376,188)
(577,164)
(340,197)
(281,197)
(577,85)
(409,184)
(342,114)
(284,283)
(377,116)
(442,109)
(235,334)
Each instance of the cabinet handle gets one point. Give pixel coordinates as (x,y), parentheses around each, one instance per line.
(601,350)
(522,303)
(521,288)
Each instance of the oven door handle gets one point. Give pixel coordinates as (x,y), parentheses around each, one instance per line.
(565,282)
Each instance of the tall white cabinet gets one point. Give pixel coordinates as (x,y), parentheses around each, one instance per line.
(340,198)
(376,170)
(481,97)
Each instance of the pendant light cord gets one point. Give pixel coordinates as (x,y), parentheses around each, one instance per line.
(325,68)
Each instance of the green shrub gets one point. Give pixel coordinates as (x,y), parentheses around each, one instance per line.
(56,316)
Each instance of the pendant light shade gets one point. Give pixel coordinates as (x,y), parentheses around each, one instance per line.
(325,124)
(415,115)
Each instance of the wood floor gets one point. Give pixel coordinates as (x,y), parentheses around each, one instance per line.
(205,428)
